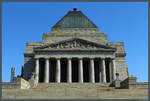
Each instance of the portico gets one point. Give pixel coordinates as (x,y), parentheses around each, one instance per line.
(95,71)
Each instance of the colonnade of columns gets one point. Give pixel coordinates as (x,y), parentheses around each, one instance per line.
(102,74)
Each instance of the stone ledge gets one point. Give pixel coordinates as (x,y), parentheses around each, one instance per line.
(120,54)
(29,54)
(130,83)
(33,43)
(7,85)
(19,83)
(116,43)
(73,35)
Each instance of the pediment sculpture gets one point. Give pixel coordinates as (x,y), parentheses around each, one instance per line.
(74,43)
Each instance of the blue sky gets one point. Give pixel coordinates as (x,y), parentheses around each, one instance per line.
(121,21)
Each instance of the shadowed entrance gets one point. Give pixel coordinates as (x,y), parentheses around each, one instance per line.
(75,69)
(97,70)
(107,63)
(63,70)
(86,69)
(41,69)
(52,70)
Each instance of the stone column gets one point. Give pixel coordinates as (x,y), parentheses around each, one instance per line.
(100,77)
(91,70)
(113,69)
(80,77)
(58,75)
(103,71)
(110,70)
(46,78)
(69,71)
(100,72)
(37,70)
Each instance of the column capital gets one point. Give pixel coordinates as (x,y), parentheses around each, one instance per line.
(69,58)
(58,58)
(46,58)
(80,58)
(103,58)
(91,58)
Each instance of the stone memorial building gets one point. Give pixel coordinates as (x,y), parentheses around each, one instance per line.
(75,51)
(74,61)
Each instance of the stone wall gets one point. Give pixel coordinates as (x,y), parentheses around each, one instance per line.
(29,64)
(130,83)
(121,68)
(30,46)
(50,38)
(118,45)
(95,37)
(7,85)
(120,59)
(19,83)
(142,85)
(74,30)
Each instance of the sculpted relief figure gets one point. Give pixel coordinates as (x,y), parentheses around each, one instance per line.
(73,44)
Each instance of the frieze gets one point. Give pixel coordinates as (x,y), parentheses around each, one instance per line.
(74,54)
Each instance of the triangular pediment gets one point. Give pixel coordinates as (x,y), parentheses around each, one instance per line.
(75,44)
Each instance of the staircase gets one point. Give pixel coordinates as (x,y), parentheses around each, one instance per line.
(73,91)
(72,85)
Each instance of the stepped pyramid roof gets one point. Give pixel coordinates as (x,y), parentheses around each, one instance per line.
(75,19)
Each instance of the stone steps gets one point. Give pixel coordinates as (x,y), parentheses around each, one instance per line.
(70,90)
(73,85)
(73,91)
